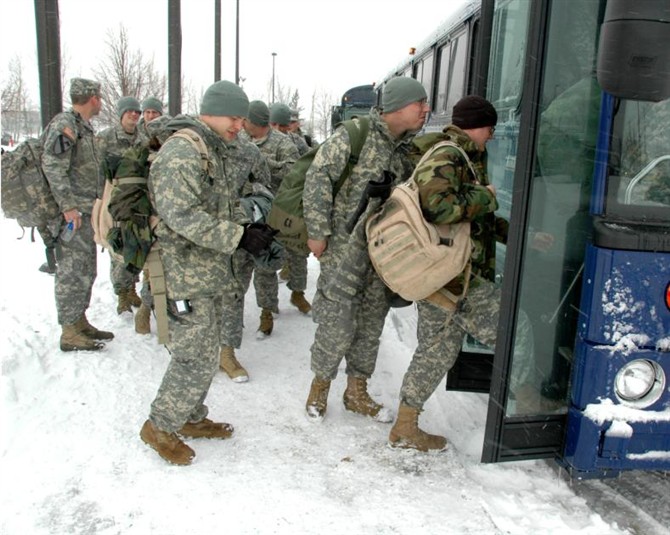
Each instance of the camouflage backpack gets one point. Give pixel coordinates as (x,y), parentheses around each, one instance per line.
(26,194)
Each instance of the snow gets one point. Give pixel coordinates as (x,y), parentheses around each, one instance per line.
(72,461)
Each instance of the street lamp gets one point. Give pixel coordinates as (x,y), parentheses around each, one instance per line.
(274,55)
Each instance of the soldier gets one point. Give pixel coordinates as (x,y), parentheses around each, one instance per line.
(351,301)
(112,143)
(152,108)
(280,153)
(71,165)
(449,193)
(296,263)
(198,233)
(296,134)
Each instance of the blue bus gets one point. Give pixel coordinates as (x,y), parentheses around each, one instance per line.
(581,151)
(355,102)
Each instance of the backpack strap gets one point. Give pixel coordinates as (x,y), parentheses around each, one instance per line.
(196,140)
(358,133)
(446,143)
(159,292)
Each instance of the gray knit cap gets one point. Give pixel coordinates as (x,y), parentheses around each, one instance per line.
(224,98)
(259,114)
(280,114)
(152,103)
(81,87)
(401,91)
(127,104)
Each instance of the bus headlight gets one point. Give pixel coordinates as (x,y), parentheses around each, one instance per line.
(639,383)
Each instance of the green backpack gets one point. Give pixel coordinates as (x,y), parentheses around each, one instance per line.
(26,194)
(287,213)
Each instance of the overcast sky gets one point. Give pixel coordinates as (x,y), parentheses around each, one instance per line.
(321,45)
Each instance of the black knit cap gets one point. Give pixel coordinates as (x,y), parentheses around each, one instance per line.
(474,111)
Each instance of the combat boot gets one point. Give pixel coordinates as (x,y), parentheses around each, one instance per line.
(317,401)
(229,364)
(267,322)
(133,298)
(167,445)
(92,332)
(143,319)
(123,303)
(72,339)
(356,399)
(206,429)
(406,433)
(298,300)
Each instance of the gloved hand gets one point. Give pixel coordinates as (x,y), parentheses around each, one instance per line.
(257,238)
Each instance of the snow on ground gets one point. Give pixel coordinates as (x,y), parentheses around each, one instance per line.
(72,461)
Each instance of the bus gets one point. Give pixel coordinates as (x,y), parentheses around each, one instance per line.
(581,151)
(355,101)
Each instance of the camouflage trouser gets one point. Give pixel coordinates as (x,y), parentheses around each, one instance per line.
(232,317)
(75,273)
(349,330)
(121,278)
(297,271)
(194,351)
(440,335)
(266,286)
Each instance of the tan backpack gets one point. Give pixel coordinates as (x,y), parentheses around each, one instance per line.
(414,258)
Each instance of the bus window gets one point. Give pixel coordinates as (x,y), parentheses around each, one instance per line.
(638,187)
(427,76)
(451,74)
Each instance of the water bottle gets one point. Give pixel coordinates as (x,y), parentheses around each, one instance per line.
(68,232)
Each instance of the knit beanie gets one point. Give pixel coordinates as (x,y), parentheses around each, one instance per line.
(259,114)
(473,111)
(280,114)
(224,98)
(127,104)
(401,91)
(152,103)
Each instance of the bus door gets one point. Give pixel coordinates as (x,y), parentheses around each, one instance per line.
(541,80)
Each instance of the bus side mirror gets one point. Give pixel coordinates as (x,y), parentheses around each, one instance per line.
(634,50)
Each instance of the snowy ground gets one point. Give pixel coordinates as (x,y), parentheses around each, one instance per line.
(72,462)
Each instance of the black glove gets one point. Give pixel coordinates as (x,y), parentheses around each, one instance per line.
(257,238)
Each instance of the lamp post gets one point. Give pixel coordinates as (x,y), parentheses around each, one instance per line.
(274,55)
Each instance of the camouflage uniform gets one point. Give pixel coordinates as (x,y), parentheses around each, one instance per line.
(299,142)
(280,154)
(449,194)
(198,234)
(351,301)
(114,141)
(70,163)
(247,167)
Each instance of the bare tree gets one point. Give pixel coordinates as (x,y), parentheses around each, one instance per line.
(19,118)
(126,72)
(322,103)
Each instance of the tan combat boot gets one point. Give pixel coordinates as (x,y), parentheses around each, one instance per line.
(72,339)
(267,322)
(298,300)
(317,401)
(406,433)
(123,304)
(229,364)
(356,399)
(206,429)
(133,298)
(283,273)
(92,332)
(143,319)
(168,445)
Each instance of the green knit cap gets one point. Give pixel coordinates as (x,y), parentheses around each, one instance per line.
(259,114)
(224,98)
(152,103)
(401,91)
(127,104)
(280,114)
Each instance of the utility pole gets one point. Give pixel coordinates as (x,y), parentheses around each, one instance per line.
(48,54)
(274,55)
(217,40)
(237,44)
(174,56)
